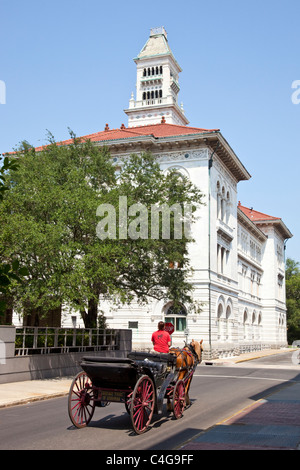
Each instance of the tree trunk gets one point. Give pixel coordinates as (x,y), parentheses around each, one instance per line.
(90,316)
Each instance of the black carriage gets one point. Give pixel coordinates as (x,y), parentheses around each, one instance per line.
(141,381)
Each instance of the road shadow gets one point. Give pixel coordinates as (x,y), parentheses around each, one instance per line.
(122,422)
(264,394)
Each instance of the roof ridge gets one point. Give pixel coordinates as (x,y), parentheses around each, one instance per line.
(158,130)
(172,125)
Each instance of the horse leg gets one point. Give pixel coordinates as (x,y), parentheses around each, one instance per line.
(187,388)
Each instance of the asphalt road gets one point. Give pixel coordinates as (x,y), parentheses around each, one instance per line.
(217,392)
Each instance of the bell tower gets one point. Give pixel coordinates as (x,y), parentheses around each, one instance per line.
(157,85)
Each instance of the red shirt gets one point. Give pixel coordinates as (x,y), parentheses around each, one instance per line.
(160,341)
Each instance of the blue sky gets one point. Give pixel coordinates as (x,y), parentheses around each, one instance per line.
(68,63)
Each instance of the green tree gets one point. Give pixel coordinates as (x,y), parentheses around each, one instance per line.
(293,299)
(49,224)
(9,271)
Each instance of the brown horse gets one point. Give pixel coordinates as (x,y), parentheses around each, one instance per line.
(187,359)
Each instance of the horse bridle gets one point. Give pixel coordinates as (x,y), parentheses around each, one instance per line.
(192,350)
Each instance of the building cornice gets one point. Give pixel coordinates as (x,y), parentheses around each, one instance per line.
(246,259)
(226,154)
(280,227)
(161,107)
(213,139)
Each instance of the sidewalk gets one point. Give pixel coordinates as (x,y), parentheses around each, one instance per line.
(272,423)
(18,393)
(247,356)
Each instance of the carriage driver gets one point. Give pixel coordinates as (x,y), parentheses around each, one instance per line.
(161,339)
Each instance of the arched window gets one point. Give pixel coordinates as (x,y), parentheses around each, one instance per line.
(218,199)
(245,320)
(228,312)
(144,95)
(223,203)
(259,318)
(223,207)
(220,312)
(177,318)
(254,325)
(227,206)
(228,322)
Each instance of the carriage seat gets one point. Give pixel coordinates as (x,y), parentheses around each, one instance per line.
(155,367)
(165,358)
(111,360)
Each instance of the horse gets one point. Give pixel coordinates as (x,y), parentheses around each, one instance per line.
(187,359)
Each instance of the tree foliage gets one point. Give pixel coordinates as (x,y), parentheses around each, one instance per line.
(9,271)
(49,220)
(293,299)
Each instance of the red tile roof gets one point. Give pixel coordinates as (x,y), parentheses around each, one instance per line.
(259,217)
(168,130)
(156,130)
(256,216)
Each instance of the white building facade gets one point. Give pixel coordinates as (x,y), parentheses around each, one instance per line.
(238,254)
(238,257)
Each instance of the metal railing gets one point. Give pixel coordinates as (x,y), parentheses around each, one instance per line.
(38,340)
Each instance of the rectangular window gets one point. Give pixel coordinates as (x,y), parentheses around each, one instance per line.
(178,322)
(133,324)
(170,320)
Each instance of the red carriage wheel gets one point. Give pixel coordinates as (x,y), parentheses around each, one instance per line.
(142,404)
(128,402)
(179,399)
(81,402)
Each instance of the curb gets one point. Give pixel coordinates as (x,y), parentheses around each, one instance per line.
(258,357)
(23,401)
(228,361)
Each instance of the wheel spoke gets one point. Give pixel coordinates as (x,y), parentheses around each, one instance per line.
(142,404)
(81,403)
(178,399)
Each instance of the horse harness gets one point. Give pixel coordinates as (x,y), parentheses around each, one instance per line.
(190,351)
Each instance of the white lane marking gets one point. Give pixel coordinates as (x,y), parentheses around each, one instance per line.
(245,377)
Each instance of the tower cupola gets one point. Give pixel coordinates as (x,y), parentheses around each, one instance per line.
(157,84)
